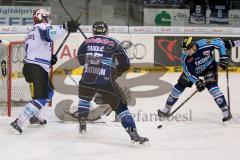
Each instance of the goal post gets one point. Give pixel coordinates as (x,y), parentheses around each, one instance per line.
(13,87)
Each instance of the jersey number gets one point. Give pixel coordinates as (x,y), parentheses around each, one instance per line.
(94,57)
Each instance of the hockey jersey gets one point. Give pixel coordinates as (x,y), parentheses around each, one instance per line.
(202,60)
(102,57)
(38,44)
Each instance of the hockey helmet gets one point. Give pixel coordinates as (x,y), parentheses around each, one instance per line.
(39,15)
(187,43)
(100,28)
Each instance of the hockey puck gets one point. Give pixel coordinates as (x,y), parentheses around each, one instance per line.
(159,126)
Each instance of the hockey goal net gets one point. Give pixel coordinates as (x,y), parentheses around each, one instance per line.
(14,90)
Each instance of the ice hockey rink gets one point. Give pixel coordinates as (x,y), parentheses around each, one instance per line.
(196,132)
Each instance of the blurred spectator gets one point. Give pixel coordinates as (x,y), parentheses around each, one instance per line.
(197,12)
(219,12)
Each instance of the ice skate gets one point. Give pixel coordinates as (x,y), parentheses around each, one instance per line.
(36,120)
(135,138)
(82,125)
(15,125)
(161,113)
(227,116)
(164,112)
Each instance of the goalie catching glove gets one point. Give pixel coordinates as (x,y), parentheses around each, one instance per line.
(71,26)
(223,62)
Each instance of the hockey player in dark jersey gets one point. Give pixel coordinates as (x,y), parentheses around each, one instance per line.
(104,60)
(198,61)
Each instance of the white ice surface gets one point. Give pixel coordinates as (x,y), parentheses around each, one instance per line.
(202,136)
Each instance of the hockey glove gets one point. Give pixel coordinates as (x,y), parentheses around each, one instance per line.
(54,59)
(200,85)
(223,62)
(71,26)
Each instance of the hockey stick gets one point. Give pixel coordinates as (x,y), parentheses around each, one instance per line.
(69,15)
(66,37)
(185,101)
(228,88)
(94,114)
(68,73)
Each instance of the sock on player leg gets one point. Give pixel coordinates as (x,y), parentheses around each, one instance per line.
(30,110)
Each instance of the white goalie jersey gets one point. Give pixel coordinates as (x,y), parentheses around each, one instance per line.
(38,44)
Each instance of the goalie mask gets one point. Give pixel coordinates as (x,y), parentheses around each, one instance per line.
(41,16)
(100,28)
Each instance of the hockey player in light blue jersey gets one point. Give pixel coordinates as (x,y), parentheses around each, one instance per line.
(37,63)
(198,61)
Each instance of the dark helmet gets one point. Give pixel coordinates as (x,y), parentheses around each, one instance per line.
(100,28)
(187,43)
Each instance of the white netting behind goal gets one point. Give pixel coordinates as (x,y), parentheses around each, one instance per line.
(13,87)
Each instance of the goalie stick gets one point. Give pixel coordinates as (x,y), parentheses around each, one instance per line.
(80,15)
(170,114)
(95,115)
(97,112)
(64,112)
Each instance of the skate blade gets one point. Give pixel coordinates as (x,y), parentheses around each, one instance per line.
(139,145)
